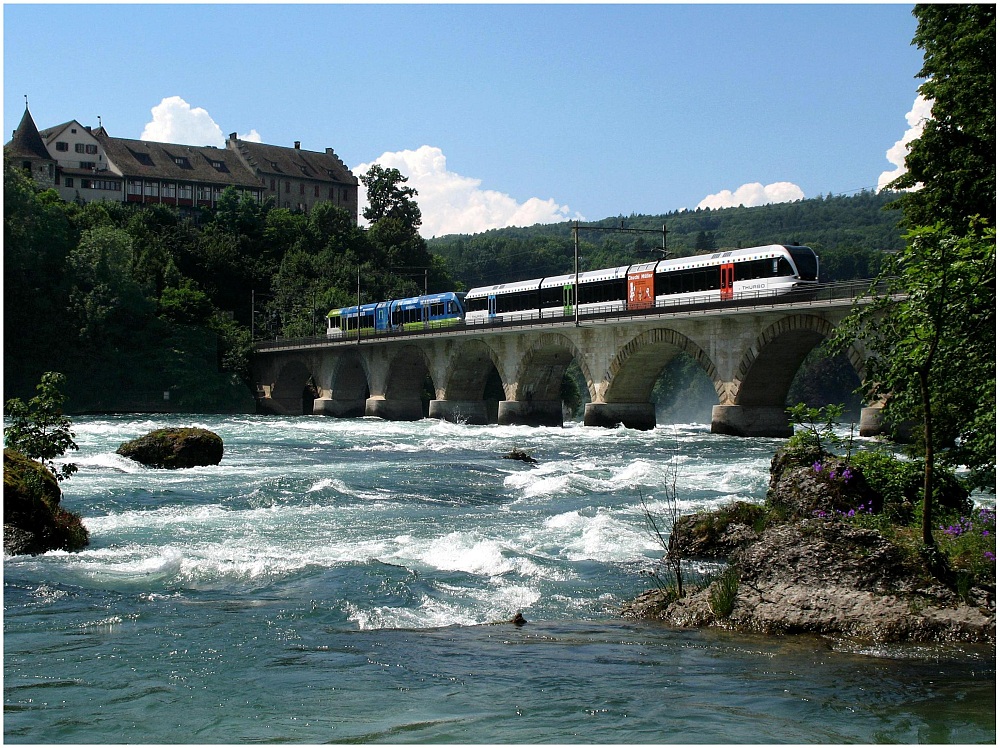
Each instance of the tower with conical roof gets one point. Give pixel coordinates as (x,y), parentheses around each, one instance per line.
(27,150)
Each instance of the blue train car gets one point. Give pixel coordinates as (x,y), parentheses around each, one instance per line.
(426,312)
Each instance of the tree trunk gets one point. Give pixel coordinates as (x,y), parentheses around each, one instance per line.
(925,398)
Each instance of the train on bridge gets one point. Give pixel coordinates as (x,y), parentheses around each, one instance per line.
(770,270)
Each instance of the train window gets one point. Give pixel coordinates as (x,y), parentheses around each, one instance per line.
(476,305)
(551,296)
(517,302)
(785,267)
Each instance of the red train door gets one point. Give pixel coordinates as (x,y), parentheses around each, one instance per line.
(726,281)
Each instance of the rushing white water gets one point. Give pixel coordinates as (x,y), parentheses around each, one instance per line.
(335,580)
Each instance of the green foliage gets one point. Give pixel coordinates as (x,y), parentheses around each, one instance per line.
(954,159)
(934,352)
(185,304)
(815,432)
(38,429)
(900,483)
(388,199)
(723,591)
(969,543)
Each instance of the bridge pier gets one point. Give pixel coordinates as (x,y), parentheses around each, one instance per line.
(339,407)
(751,420)
(530,413)
(472,412)
(394,410)
(871,421)
(641,416)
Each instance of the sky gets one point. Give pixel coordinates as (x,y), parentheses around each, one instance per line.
(500,115)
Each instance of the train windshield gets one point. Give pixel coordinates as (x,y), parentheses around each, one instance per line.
(806,261)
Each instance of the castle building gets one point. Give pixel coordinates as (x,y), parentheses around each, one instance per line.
(84,164)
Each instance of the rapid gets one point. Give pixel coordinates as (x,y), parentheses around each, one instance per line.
(348,581)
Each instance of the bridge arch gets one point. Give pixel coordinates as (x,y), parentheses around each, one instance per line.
(767,368)
(347,387)
(541,368)
(534,395)
(293,389)
(633,372)
(402,393)
(469,368)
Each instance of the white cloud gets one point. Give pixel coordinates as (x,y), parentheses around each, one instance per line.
(176,121)
(753,194)
(915,118)
(454,204)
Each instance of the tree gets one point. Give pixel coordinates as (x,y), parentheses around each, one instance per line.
(387,198)
(39,429)
(932,336)
(955,156)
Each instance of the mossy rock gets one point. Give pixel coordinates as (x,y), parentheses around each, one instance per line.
(175,448)
(33,521)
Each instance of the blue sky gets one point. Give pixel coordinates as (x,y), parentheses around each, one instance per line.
(500,114)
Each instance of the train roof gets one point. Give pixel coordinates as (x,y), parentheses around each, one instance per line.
(590,276)
(415,301)
(617,273)
(528,285)
(365,309)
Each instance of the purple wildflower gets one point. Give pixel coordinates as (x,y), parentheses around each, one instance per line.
(847,474)
(990,556)
(817,466)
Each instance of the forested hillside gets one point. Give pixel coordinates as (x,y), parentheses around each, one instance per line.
(849,233)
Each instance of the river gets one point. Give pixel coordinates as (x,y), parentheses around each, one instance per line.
(342,581)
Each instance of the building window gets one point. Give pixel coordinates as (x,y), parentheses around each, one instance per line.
(345,196)
(69,181)
(184,192)
(205,193)
(62,146)
(316,191)
(79,148)
(169,189)
(272,185)
(134,187)
(152,189)
(332,196)
(302,189)
(288,187)
(88,165)
(91,148)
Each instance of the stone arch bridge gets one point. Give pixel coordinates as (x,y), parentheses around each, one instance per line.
(750,352)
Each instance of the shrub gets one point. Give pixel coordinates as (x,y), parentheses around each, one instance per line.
(722,592)
(969,542)
(900,482)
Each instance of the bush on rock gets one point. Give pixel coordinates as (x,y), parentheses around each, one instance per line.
(33,521)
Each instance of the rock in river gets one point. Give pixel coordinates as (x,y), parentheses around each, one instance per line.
(175,448)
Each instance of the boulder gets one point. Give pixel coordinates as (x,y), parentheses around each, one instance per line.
(520,454)
(823,486)
(175,448)
(33,521)
(802,564)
